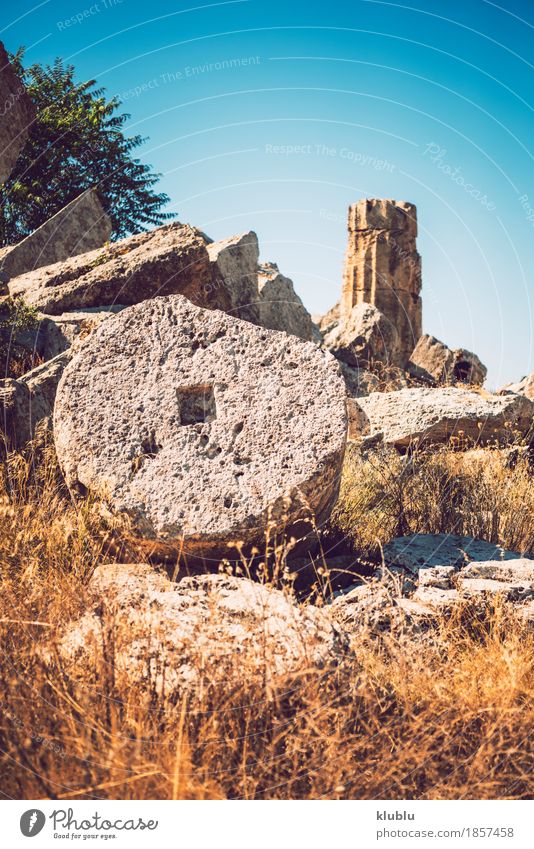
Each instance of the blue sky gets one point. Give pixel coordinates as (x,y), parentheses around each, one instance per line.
(274,116)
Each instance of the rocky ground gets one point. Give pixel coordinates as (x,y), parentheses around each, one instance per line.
(244,552)
(248,554)
(344,679)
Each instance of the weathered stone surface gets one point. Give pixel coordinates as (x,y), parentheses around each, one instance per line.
(389,606)
(167,260)
(436,576)
(28,402)
(280,306)
(383,214)
(434,358)
(194,629)
(468,368)
(512,569)
(16,115)
(511,590)
(429,551)
(79,227)
(432,416)
(480,582)
(383,267)
(235,262)
(359,381)
(436,601)
(53,335)
(58,334)
(329,320)
(378,607)
(523,387)
(364,338)
(359,425)
(201,427)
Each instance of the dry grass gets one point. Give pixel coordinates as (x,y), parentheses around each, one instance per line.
(483,493)
(443,719)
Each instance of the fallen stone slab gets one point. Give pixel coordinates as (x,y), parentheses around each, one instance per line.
(279,305)
(202,428)
(432,358)
(235,268)
(521,569)
(53,335)
(428,602)
(421,417)
(329,320)
(371,606)
(468,368)
(79,227)
(167,260)
(522,387)
(16,115)
(364,339)
(358,381)
(510,590)
(436,576)
(70,329)
(28,403)
(511,579)
(427,551)
(196,629)
(394,607)
(376,609)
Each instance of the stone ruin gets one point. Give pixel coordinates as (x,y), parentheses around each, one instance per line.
(203,428)
(16,115)
(383,268)
(187,386)
(196,395)
(80,226)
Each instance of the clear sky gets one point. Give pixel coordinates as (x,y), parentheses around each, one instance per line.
(274,115)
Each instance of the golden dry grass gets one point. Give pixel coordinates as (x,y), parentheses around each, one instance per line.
(484,493)
(397,719)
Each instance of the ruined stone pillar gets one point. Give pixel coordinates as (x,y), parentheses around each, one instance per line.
(383,267)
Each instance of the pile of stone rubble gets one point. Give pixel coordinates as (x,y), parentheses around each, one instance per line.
(186,385)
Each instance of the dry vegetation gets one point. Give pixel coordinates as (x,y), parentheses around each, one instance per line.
(449,718)
(483,493)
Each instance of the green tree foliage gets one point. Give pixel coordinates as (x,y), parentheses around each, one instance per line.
(76,142)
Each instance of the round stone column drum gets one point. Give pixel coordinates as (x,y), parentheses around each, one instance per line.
(204,429)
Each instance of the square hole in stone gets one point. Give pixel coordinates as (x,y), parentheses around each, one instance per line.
(196,404)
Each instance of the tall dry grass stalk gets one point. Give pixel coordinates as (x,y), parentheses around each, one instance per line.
(485,493)
(395,719)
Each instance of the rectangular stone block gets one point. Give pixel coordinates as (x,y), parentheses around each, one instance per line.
(79,227)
